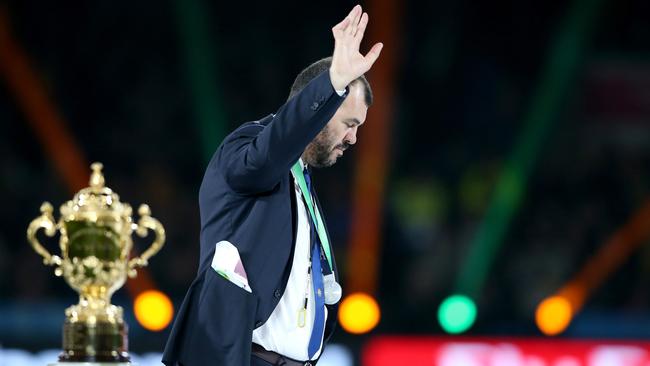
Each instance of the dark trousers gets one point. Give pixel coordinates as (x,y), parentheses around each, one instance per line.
(256,361)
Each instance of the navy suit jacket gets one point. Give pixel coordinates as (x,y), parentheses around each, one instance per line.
(247,197)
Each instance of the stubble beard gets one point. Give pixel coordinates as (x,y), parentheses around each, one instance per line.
(318,153)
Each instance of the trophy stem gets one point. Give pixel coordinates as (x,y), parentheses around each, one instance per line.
(96,292)
(100,305)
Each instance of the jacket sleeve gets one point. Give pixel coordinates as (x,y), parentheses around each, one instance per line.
(256,157)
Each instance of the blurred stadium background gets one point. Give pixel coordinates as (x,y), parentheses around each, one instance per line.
(495,209)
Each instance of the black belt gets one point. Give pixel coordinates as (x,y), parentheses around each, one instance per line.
(277,359)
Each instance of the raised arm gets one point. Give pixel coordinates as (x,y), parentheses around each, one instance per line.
(255,158)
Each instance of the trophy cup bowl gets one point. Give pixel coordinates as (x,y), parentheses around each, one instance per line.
(95,243)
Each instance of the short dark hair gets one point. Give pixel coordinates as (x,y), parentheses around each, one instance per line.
(315,69)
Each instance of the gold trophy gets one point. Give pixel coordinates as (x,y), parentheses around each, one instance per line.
(95,245)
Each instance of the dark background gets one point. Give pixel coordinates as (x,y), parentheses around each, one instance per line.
(466,76)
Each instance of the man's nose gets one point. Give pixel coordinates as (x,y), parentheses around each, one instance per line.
(351,136)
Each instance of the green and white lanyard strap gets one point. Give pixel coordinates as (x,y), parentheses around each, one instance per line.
(296,169)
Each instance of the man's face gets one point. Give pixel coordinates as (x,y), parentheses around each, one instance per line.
(340,132)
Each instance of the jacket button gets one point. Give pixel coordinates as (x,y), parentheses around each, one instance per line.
(314,106)
(277,293)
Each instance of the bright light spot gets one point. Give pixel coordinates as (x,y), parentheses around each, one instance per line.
(553,315)
(359,313)
(153,310)
(456,314)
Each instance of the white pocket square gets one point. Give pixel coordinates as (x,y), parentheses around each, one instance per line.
(228,264)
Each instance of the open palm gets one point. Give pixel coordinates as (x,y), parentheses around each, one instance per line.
(347,62)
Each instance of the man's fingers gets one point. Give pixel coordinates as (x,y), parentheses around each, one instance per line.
(353,11)
(342,25)
(361,28)
(373,54)
(355,16)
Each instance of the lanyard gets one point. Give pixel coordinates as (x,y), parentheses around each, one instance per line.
(296,169)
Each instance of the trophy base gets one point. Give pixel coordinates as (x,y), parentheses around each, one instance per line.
(101,343)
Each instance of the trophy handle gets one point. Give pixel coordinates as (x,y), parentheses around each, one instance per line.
(147,223)
(46,222)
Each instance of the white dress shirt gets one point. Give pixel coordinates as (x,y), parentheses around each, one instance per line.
(281,332)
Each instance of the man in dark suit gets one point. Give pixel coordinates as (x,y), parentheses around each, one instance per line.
(267,286)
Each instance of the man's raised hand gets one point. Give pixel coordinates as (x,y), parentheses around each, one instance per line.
(347,62)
